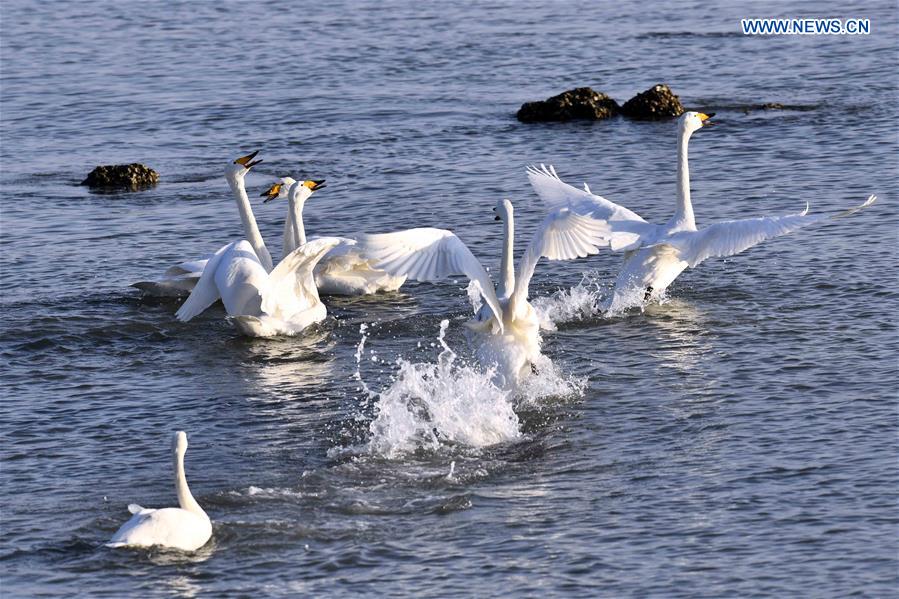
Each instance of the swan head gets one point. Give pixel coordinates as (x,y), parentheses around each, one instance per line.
(503,210)
(301,190)
(179,443)
(242,165)
(694,121)
(278,189)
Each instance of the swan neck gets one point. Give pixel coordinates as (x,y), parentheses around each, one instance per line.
(294,231)
(251,229)
(683,216)
(185,499)
(296,209)
(507,271)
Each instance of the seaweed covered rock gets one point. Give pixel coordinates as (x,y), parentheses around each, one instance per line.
(579,103)
(122,176)
(658,102)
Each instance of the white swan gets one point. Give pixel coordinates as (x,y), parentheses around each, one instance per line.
(186,527)
(261,301)
(343,270)
(506,330)
(179,280)
(654,255)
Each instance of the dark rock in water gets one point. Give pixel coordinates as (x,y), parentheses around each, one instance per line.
(580,103)
(658,102)
(118,176)
(779,106)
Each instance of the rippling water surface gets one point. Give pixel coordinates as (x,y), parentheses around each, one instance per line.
(738,439)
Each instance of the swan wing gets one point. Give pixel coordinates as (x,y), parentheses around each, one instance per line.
(563,235)
(428,254)
(188,267)
(732,237)
(205,292)
(628,230)
(556,193)
(291,285)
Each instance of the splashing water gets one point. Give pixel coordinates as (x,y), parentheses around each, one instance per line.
(580,302)
(447,401)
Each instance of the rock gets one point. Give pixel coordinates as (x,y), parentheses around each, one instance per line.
(658,102)
(579,103)
(117,176)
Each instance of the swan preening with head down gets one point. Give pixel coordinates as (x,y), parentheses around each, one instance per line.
(186,527)
(343,270)
(506,329)
(261,300)
(654,255)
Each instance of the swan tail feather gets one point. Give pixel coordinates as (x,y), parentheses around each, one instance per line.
(135,508)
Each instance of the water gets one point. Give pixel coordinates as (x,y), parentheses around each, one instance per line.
(737,440)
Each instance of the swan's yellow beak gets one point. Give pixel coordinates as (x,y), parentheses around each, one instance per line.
(314,185)
(705,117)
(271,193)
(247,161)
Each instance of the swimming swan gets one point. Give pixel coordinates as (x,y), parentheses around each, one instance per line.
(654,255)
(186,527)
(262,302)
(179,280)
(343,270)
(506,330)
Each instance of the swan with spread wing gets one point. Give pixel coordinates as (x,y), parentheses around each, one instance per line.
(343,270)
(262,301)
(506,330)
(654,255)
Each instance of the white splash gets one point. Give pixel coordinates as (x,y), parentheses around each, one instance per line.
(582,301)
(447,401)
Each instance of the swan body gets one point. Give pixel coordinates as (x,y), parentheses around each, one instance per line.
(505,331)
(654,255)
(186,527)
(343,270)
(261,302)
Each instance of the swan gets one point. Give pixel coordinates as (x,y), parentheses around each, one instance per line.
(186,527)
(261,301)
(654,255)
(343,270)
(179,280)
(505,332)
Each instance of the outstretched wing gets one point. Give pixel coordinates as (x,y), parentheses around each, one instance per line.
(626,227)
(205,292)
(732,237)
(563,235)
(291,285)
(428,254)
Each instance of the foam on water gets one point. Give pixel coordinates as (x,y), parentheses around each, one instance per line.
(580,302)
(428,403)
(588,299)
(450,400)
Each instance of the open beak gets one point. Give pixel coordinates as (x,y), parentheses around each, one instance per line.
(247,161)
(705,118)
(314,185)
(271,193)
